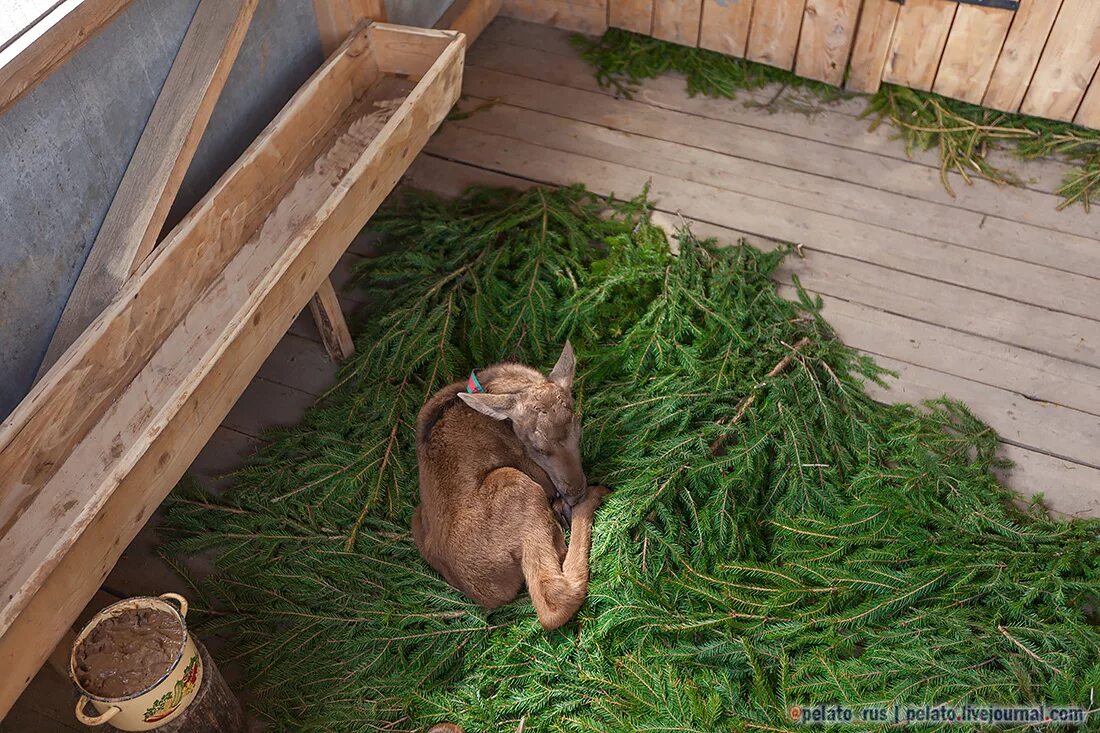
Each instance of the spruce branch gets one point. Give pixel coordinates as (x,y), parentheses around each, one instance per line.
(719,443)
(846,550)
(1027,651)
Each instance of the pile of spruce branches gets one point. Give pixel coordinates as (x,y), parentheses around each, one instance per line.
(962,133)
(774,537)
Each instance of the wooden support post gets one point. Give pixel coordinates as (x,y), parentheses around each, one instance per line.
(335,335)
(336,19)
(156,170)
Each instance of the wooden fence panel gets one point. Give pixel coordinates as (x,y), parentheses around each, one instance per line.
(1068,62)
(1020,54)
(876,30)
(1089,113)
(631,15)
(725,26)
(828,27)
(773,37)
(973,46)
(919,38)
(1040,60)
(677,21)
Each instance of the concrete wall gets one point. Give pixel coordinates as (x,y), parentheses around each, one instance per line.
(65,145)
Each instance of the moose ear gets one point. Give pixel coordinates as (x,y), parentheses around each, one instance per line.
(562,373)
(496,406)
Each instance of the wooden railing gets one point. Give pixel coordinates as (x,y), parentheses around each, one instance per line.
(1040,58)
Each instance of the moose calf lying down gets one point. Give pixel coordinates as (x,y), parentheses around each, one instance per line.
(494,452)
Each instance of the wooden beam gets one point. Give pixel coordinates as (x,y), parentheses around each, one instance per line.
(100,441)
(469,17)
(163,154)
(49,42)
(336,20)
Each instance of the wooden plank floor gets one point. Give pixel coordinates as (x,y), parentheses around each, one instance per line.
(991,296)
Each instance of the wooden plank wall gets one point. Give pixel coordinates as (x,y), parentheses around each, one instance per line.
(677,21)
(828,29)
(725,26)
(1041,59)
(1068,63)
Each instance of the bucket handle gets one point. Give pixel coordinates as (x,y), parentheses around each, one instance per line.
(178,599)
(96,720)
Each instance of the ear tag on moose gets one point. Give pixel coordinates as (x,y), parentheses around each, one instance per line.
(473,386)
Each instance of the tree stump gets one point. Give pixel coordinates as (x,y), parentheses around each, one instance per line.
(215,709)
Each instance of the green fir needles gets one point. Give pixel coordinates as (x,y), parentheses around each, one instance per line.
(962,133)
(775,536)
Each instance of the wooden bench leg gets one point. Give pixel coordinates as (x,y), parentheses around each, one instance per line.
(335,335)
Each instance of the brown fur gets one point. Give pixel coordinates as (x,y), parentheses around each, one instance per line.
(490,464)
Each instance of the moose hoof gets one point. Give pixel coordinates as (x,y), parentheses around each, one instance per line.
(562,511)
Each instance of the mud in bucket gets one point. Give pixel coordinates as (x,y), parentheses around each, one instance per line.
(165,680)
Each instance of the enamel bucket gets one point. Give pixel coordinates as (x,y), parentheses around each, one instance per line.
(162,701)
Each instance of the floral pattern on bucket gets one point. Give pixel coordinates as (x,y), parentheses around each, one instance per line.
(167,704)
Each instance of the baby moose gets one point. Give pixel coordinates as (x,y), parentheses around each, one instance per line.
(494,453)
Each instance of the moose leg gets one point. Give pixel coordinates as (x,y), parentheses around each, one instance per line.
(559,588)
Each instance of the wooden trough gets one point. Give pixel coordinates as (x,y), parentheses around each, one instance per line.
(88,456)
